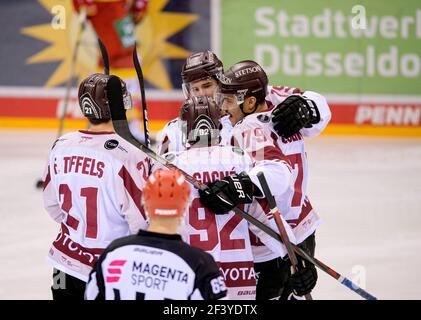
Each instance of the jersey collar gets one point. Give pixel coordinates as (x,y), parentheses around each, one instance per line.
(145,233)
(95,132)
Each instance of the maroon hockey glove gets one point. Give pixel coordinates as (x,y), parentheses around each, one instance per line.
(223,195)
(305,279)
(293,114)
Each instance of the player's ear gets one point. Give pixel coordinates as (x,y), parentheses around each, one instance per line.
(250,104)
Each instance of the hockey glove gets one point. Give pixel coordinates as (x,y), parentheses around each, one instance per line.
(293,114)
(223,195)
(304,279)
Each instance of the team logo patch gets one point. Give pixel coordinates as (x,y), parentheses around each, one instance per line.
(89,108)
(169,157)
(224,79)
(114,270)
(241,94)
(238,151)
(203,126)
(111,144)
(263,118)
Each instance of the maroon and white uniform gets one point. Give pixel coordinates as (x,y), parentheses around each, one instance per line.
(277,94)
(255,135)
(92,187)
(224,236)
(297,210)
(171,137)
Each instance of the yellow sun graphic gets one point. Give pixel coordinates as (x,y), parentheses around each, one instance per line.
(151,34)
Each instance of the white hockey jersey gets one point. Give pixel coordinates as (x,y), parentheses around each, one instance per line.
(302,217)
(277,94)
(255,135)
(297,210)
(225,236)
(93,184)
(171,138)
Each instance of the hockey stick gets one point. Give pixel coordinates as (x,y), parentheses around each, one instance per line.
(280,224)
(139,73)
(82,25)
(104,55)
(121,127)
(143,96)
(291,247)
(81,28)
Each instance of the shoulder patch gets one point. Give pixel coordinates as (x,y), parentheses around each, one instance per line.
(111,144)
(263,118)
(238,151)
(169,157)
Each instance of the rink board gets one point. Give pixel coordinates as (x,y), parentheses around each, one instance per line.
(351,115)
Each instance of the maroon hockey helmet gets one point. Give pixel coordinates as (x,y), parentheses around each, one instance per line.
(201,65)
(93,98)
(199,118)
(244,79)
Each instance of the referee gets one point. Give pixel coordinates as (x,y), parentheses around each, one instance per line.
(156,264)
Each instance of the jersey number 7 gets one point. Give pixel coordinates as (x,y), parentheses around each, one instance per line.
(296,160)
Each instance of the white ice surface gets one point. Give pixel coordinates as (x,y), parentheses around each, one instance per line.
(367,190)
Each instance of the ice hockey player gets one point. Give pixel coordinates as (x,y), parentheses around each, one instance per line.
(245,96)
(92,187)
(200,75)
(156,264)
(225,236)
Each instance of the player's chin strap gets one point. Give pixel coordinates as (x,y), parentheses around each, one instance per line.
(248,113)
(256,105)
(118,115)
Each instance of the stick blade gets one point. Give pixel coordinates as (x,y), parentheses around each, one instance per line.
(118,113)
(115,99)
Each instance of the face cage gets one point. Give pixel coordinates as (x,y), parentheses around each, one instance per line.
(221,97)
(186,87)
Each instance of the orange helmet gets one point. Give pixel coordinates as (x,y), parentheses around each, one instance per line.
(166,194)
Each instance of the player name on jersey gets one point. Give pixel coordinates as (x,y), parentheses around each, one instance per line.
(79,164)
(208,177)
(295,137)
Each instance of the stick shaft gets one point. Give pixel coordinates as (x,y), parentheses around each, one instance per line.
(121,127)
(104,54)
(81,28)
(143,96)
(284,235)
